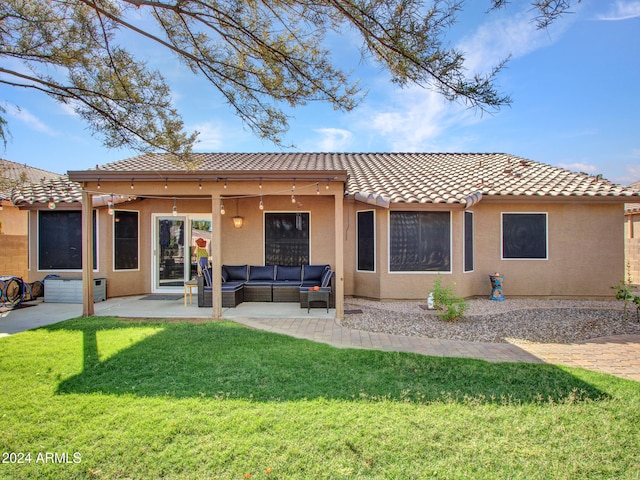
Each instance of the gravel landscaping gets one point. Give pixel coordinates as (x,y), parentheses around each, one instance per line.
(512,321)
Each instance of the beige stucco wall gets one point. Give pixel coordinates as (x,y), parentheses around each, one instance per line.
(585,254)
(13,242)
(632,247)
(239,246)
(586,243)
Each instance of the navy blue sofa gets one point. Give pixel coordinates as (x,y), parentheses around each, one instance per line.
(264,283)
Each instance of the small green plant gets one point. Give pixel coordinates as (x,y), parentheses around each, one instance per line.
(624,291)
(451,306)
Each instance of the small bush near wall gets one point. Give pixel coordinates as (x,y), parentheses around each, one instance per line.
(451,307)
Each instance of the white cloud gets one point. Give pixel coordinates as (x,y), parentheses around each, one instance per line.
(333,139)
(508,36)
(210,137)
(579,167)
(622,10)
(413,119)
(33,122)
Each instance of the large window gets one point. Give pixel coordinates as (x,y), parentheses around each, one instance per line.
(420,242)
(366,241)
(60,240)
(125,240)
(524,236)
(468,242)
(286,238)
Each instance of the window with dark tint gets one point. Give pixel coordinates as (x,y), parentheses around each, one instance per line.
(420,242)
(366,241)
(286,238)
(125,241)
(60,240)
(468,241)
(524,235)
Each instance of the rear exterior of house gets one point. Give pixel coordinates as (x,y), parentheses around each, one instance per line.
(13,221)
(387,224)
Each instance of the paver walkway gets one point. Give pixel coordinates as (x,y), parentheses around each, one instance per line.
(619,355)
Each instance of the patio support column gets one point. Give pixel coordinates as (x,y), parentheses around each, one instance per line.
(216,258)
(87,254)
(339,266)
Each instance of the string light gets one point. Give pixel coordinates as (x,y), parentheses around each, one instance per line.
(225,183)
(51,203)
(175,208)
(110,206)
(98,183)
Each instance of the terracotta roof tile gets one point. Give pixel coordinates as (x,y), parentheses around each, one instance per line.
(407,177)
(444,178)
(59,189)
(17,172)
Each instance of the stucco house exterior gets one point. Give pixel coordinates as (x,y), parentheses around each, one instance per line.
(387,223)
(13,221)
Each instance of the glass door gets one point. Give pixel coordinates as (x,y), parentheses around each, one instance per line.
(199,244)
(170,253)
(180,244)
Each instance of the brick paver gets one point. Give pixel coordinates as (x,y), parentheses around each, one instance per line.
(618,355)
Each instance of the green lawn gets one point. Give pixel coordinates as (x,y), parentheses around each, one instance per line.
(110,398)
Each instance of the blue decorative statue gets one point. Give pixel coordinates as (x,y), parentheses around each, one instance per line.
(496,287)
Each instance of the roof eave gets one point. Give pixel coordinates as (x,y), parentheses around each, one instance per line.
(206,175)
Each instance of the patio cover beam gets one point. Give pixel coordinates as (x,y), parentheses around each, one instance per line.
(87,255)
(216,257)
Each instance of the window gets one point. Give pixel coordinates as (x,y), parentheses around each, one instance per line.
(366,249)
(60,240)
(524,235)
(420,242)
(468,242)
(125,240)
(286,238)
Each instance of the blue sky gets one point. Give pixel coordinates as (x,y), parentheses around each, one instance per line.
(575,90)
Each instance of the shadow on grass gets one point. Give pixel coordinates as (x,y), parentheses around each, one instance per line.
(225,360)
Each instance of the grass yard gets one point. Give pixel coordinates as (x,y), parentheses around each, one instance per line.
(109,398)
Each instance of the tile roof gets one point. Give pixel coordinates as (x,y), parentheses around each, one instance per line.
(405,177)
(379,178)
(60,190)
(17,172)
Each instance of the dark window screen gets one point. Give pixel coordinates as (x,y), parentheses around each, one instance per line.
(125,240)
(524,235)
(60,240)
(286,239)
(468,241)
(366,241)
(420,242)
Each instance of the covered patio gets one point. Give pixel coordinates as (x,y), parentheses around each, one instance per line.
(236,201)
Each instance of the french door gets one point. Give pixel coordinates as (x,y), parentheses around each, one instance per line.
(174,250)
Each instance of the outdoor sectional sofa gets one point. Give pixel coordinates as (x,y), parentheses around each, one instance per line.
(268,283)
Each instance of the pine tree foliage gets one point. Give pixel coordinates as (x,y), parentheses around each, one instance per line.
(261,56)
